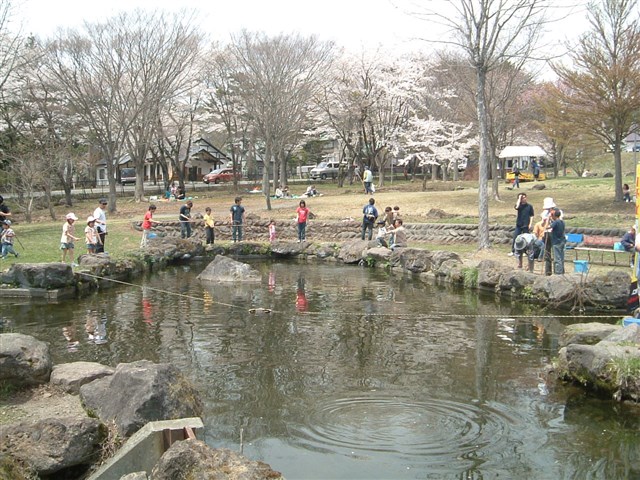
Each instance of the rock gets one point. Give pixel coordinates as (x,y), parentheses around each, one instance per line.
(516,281)
(538,186)
(287,249)
(71,376)
(377,255)
(225,269)
(24,360)
(489,273)
(607,175)
(53,444)
(611,289)
(555,290)
(628,335)
(39,275)
(586,333)
(135,476)
(440,257)
(141,392)
(438,213)
(412,259)
(352,252)
(604,367)
(195,459)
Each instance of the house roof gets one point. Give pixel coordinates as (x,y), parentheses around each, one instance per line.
(522,151)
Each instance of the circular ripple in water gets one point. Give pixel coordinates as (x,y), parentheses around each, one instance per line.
(433,431)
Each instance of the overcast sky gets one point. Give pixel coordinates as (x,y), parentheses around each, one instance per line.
(354,24)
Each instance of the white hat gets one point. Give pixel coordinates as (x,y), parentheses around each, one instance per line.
(71,216)
(548,203)
(90,219)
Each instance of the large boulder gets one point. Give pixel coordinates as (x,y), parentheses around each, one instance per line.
(412,259)
(353,251)
(195,459)
(49,276)
(71,376)
(24,360)
(227,270)
(141,392)
(611,289)
(516,281)
(586,333)
(489,273)
(52,444)
(555,290)
(377,255)
(287,249)
(606,367)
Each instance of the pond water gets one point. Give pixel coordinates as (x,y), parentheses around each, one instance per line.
(356,373)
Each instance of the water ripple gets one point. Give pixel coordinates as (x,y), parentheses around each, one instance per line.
(433,431)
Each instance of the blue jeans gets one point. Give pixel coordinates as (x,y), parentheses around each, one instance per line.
(236,232)
(185,229)
(7,248)
(367,187)
(558,258)
(367,226)
(301,230)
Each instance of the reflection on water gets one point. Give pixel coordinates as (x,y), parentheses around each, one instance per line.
(355,373)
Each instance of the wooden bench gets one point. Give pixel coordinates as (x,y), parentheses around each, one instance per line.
(598,249)
(597,256)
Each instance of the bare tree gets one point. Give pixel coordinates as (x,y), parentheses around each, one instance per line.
(490,32)
(602,92)
(278,78)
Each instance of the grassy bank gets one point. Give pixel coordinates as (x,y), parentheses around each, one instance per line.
(586,203)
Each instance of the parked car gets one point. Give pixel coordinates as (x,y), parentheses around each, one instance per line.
(127,175)
(325,170)
(303,170)
(220,175)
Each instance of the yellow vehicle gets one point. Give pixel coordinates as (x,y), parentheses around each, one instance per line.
(524,158)
(525,176)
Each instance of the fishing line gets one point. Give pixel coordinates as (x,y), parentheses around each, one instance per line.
(257,310)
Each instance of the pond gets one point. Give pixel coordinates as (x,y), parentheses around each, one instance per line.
(356,373)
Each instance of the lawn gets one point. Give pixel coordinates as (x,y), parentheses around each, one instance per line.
(586,202)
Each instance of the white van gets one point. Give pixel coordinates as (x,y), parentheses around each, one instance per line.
(325,170)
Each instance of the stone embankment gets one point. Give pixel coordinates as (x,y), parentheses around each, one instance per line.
(256,229)
(73,415)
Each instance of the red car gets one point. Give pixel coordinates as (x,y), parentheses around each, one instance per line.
(220,175)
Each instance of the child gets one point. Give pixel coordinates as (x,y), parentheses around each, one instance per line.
(6,238)
(91,235)
(67,239)
(147,223)
(303,213)
(272,230)
(208,226)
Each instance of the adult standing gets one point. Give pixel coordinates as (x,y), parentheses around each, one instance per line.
(367,179)
(516,177)
(524,218)
(5,213)
(370,213)
(303,213)
(237,220)
(558,241)
(535,167)
(185,219)
(100,216)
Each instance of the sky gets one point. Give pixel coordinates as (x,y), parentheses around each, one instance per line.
(353,24)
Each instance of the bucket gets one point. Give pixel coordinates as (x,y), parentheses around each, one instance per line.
(580,266)
(630,321)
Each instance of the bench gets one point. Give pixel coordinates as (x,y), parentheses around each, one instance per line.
(599,249)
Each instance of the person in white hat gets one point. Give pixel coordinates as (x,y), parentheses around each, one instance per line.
(67,239)
(91,238)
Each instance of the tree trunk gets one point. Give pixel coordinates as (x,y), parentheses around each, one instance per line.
(617,156)
(265,175)
(485,156)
